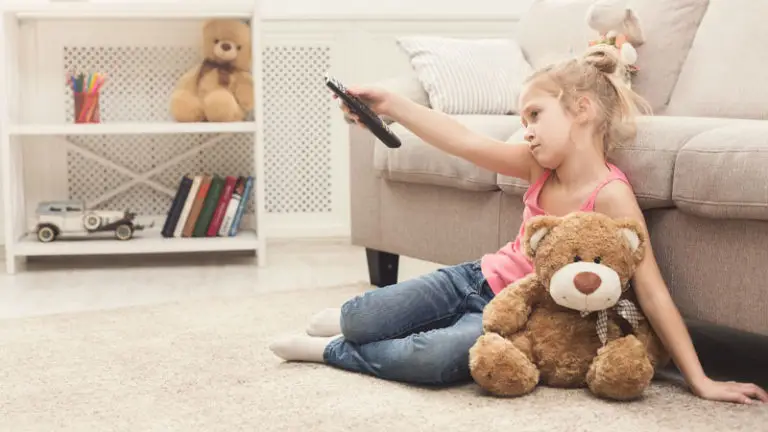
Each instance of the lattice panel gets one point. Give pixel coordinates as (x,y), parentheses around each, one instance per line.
(90,179)
(297,129)
(297,124)
(140,81)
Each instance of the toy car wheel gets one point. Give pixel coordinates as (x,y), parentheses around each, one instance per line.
(46,234)
(91,221)
(124,232)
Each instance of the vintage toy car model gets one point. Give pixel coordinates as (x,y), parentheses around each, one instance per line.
(57,218)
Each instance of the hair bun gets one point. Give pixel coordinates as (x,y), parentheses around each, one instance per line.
(603,57)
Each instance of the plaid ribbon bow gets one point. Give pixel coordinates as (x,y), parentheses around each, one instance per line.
(625,308)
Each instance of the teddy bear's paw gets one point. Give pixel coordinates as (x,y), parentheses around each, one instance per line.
(504,322)
(506,314)
(621,371)
(500,368)
(220,106)
(186,107)
(244,92)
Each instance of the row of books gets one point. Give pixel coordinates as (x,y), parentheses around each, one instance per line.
(208,206)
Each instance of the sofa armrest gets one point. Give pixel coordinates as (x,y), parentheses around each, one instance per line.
(407,85)
(365,190)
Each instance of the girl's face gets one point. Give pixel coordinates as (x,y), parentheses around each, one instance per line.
(548,127)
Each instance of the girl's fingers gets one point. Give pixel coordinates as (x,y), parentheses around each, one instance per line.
(754,391)
(737,397)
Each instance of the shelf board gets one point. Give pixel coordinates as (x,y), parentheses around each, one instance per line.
(130,10)
(143,242)
(139,128)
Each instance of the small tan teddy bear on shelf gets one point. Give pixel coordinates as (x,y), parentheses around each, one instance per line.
(220,89)
(574,322)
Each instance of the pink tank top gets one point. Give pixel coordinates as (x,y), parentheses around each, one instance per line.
(510,263)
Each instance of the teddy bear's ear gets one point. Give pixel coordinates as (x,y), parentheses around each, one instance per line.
(633,29)
(535,230)
(632,232)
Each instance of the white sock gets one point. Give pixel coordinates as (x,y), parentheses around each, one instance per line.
(325,323)
(301,348)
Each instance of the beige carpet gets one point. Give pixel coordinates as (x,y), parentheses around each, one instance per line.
(204,366)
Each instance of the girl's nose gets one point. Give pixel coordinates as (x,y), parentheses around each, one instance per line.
(529,135)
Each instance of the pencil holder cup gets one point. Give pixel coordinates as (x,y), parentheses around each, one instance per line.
(87,107)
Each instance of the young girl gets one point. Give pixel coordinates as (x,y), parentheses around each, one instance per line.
(420,330)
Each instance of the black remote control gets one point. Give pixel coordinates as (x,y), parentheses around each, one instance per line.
(373,122)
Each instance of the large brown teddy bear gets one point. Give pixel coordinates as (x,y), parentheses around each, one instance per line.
(574,322)
(220,89)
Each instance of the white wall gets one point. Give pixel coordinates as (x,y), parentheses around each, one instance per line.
(370,8)
(459,8)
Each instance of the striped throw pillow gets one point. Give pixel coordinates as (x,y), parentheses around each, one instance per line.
(468,76)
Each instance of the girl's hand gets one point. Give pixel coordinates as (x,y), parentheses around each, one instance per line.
(730,391)
(378,100)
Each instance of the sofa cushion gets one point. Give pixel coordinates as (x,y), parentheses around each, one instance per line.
(649,162)
(723,173)
(724,75)
(468,76)
(418,162)
(552,30)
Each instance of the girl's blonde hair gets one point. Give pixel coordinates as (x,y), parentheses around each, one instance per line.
(599,72)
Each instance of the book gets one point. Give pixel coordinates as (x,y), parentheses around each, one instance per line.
(221,207)
(241,207)
(187,205)
(176,207)
(234,203)
(208,207)
(197,206)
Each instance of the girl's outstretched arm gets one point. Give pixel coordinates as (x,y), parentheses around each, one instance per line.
(443,132)
(617,200)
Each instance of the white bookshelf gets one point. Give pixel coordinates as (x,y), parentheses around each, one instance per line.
(128,128)
(79,10)
(142,243)
(29,125)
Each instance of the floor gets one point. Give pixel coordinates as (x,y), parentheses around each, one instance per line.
(66,285)
(58,285)
(204,365)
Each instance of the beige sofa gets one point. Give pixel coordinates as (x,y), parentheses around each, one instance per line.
(699,166)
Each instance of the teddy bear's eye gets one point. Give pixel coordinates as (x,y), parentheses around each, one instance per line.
(598,260)
(239,47)
(576,258)
(216,41)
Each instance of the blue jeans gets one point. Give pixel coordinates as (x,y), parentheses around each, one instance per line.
(417,331)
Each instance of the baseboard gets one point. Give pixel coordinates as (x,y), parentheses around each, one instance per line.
(289,231)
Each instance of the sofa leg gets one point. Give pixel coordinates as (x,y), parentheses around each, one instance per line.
(382,267)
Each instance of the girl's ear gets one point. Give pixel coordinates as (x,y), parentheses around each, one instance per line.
(536,229)
(584,109)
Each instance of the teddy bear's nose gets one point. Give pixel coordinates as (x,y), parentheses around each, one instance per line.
(587,282)
(226,46)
